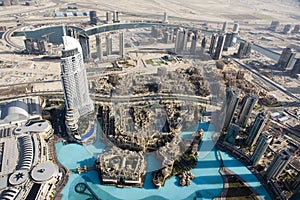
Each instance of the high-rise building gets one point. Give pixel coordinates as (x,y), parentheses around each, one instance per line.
(274,25)
(244,50)
(228,41)
(220,46)
(165,19)
(116,17)
(203,43)
(185,39)
(261,147)
(108,45)
(74,82)
(232,132)
(258,126)
(236,27)
(121,45)
(296,29)
(296,68)
(287,29)
(99,47)
(224,28)
(249,102)
(93,17)
(85,45)
(278,164)
(108,17)
(194,43)
(213,42)
(181,40)
(230,105)
(286,59)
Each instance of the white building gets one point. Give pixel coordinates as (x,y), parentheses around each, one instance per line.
(74,81)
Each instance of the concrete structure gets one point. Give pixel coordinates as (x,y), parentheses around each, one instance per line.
(74,82)
(85,45)
(278,164)
(287,29)
(257,128)
(232,132)
(121,45)
(108,44)
(261,147)
(230,105)
(99,47)
(286,59)
(219,48)
(244,50)
(249,102)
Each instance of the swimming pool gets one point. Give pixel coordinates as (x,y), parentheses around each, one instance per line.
(208,182)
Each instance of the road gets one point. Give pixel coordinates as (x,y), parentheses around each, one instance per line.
(264,78)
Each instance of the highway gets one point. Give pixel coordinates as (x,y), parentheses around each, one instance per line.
(7,37)
(279,87)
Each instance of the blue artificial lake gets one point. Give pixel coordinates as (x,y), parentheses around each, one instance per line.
(207,184)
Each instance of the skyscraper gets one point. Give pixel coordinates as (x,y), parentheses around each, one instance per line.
(121,45)
(286,59)
(219,48)
(278,164)
(99,47)
(274,25)
(287,29)
(231,103)
(194,43)
(261,147)
(232,132)
(108,45)
(228,41)
(249,102)
(258,126)
(165,19)
(74,82)
(224,28)
(203,43)
(236,27)
(296,68)
(244,50)
(212,46)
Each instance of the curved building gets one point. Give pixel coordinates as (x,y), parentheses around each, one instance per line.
(74,82)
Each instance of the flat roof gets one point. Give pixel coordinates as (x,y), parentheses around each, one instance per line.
(44,171)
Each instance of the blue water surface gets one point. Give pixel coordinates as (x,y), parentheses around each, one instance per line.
(208,182)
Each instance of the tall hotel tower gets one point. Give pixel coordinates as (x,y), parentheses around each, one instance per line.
(258,126)
(74,82)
